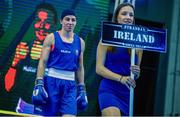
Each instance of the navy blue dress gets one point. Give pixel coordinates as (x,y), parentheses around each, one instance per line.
(113,93)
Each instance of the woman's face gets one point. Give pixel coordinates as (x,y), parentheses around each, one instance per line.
(126,15)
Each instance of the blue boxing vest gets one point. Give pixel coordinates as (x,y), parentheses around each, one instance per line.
(65,56)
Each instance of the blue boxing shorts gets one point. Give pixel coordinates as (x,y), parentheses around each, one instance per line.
(113,94)
(61,96)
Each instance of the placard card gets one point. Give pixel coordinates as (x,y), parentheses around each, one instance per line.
(134,36)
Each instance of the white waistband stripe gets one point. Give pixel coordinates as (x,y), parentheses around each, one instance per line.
(61,74)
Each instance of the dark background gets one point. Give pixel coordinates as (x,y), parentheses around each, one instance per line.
(90,14)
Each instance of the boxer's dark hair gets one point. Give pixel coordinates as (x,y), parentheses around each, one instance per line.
(67,12)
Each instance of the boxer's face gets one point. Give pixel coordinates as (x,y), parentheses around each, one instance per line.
(68,23)
(126,15)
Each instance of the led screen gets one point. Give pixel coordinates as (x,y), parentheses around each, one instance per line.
(24,25)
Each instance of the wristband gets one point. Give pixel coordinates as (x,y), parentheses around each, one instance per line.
(39,81)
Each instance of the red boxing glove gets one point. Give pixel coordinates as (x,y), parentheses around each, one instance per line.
(9,78)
